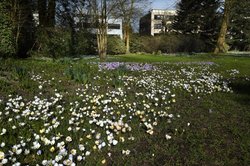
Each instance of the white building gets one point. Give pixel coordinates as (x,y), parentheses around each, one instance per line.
(157,21)
(115,27)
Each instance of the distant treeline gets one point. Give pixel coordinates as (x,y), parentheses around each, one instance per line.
(49,28)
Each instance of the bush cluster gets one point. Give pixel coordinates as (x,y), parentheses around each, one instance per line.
(170,43)
(115,45)
(53,43)
(86,43)
(57,43)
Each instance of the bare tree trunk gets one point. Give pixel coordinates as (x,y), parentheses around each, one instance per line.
(221,46)
(100,11)
(42,11)
(127,38)
(22,19)
(15,17)
(18,29)
(102,43)
(51,13)
(73,40)
(102,32)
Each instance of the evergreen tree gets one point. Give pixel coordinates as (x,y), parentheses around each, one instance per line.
(239,26)
(199,18)
(186,21)
(209,20)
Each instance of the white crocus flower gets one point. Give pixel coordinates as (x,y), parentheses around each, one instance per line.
(79,158)
(126,152)
(168,136)
(3,131)
(1,155)
(36,145)
(114,142)
(68,139)
(4,161)
(2,144)
(87,153)
(81,147)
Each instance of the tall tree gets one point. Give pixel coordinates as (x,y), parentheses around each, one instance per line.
(129,10)
(20,18)
(239,27)
(68,12)
(100,10)
(222,46)
(47,12)
(51,13)
(187,20)
(198,17)
(42,11)
(25,27)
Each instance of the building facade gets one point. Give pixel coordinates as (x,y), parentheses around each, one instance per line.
(115,27)
(156,22)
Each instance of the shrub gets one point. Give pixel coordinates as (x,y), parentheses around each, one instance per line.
(115,45)
(52,43)
(169,43)
(136,44)
(247,48)
(190,43)
(151,44)
(86,43)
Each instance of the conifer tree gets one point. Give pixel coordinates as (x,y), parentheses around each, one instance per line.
(199,18)
(239,27)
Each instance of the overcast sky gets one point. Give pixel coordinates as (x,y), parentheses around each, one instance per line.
(163,4)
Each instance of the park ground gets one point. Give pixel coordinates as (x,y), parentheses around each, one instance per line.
(130,110)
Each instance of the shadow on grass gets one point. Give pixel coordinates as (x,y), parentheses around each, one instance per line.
(241,87)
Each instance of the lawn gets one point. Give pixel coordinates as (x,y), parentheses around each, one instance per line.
(131,110)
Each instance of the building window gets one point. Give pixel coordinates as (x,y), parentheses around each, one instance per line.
(158,26)
(159,17)
(114,26)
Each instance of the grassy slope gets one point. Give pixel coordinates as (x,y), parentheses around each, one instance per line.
(216,137)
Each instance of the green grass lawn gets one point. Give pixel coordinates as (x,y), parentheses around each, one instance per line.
(225,61)
(189,113)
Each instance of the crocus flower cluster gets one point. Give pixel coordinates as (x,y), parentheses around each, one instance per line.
(63,130)
(128,66)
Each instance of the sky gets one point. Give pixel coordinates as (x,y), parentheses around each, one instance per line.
(163,4)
